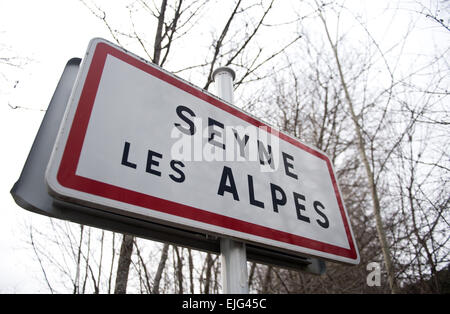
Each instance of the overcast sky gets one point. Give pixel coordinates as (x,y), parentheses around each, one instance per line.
(44,35)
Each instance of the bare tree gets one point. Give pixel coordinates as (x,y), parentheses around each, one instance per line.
(161,265)
(364,158)
(126,250)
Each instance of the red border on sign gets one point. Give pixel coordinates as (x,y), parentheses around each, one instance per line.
(68,178)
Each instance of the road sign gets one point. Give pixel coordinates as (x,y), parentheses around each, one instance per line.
(140,142)
(30,192)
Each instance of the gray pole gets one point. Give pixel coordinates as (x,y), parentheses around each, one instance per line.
(233,253)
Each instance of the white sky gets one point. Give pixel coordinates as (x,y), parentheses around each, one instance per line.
(47,33)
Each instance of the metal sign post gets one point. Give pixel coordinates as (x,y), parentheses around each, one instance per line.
(233,253)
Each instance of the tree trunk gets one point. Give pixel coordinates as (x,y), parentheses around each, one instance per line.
(162,264)
(123,268)
(179,269)
(158,36)
(191,272)
(209,263)
(267,280)
(76,284)
(370,177)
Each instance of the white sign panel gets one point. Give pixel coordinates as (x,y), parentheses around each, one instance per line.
(140,142)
